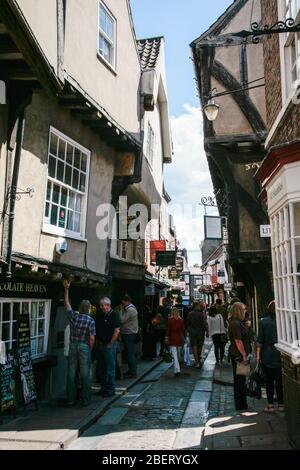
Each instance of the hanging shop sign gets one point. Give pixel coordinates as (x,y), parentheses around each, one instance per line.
(228,287)
(24,289)
(213,228)
(179,264)
(156,245)
(174,273)
(166,258)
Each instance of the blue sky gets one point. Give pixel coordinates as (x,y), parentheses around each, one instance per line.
(187,179)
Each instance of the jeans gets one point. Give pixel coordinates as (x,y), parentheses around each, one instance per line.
(129,346)
(273,377)
(219,347)
(79,354)
(176,353)
(239,384)
(106,367)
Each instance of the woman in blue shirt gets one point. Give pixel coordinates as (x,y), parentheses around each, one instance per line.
(270,358)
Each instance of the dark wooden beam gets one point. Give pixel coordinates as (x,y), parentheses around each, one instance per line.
(246,105)
(75,104)
(16,70)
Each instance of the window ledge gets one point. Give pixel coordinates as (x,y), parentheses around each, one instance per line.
(286,349)
(51,230)
(107,64)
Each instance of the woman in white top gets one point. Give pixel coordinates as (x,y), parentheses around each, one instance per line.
(216,331)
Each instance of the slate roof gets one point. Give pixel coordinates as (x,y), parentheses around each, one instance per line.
(149,51)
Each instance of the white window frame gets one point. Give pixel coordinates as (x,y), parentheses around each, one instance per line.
(150,144)
(64,232)
(113,44)
(289,86)
(286,276)
(47,312)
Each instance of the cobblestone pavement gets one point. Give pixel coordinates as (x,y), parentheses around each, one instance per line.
(148,416)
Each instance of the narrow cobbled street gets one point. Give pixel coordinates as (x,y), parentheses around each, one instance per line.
(155,413)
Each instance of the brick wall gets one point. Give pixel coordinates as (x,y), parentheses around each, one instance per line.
(272,63)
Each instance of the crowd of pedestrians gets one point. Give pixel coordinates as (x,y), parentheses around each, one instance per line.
(179,329)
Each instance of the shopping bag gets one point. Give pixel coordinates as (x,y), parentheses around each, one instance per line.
(253,387)
(242,369)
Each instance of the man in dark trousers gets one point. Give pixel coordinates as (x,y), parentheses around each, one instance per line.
(82,340)
(107,333)
(129,330)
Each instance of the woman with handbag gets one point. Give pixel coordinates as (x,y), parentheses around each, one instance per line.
(240,338)
(175,338)
(217,332)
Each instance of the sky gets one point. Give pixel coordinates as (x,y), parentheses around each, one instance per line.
(187,179)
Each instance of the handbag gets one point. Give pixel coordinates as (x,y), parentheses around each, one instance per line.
(242,369)
(167,356)
(253,386)
(224,338)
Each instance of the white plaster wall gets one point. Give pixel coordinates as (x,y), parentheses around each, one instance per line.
(116,92)
(28,236)
(41,16)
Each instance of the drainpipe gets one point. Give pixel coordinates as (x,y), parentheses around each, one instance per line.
(13,190)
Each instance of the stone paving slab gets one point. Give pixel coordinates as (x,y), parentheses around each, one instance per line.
(200,397)
(204,386)
(188,438)
(195,414)
(16,445)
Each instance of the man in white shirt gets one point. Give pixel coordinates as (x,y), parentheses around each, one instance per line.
(129,330)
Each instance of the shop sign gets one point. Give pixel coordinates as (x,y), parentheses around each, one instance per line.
(24,359)
(214,280)
(228,287)
(179,264)
(165,258)
(265,231)
(174,273)
(24,289)
(156,245)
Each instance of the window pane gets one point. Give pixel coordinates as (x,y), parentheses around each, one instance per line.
(70,150)
(33,347)
(82,182)
(64,197)
(297,219)
(297,245)
(52,167)
(110,28)
(71,204)
(53,219)
(49,191)
(77,157)
(47,209)
(62,217)
(33,328)
(75,179)
(25,308)
(76,222)
(70,220)
(40,348)
(60,171)
(68,175)
(41,309)
(5,331)
(78,203)
(83,162)
(41,325)
(62,149)
(16,311)
(102,18)
(53,144)
(6,312)
(55,194)
(34,310)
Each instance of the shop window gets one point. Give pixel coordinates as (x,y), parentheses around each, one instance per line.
(67,187)
(290,44)
(286,271)
(39,314)
(107,36)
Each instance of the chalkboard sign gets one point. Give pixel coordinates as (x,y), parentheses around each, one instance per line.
(24,359)
(7,382)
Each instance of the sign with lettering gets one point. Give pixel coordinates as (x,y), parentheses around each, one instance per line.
(265,231)
(24,289)
(24,359)
(166,258)
(7,382)
(156,245)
